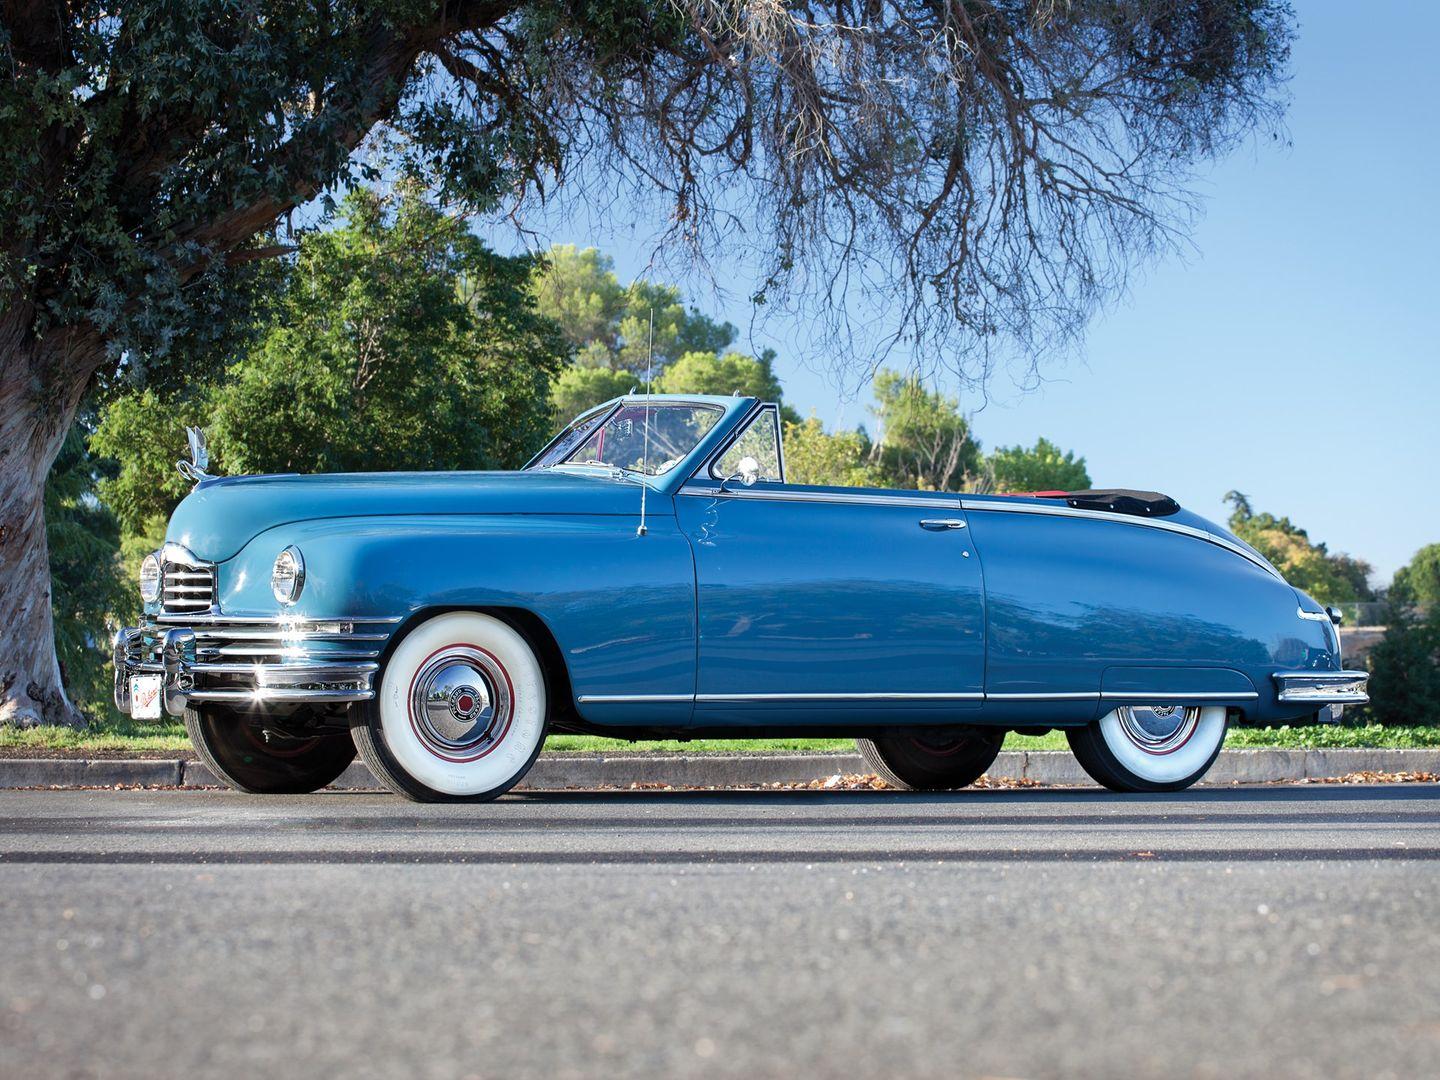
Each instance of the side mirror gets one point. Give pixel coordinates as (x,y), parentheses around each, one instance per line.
(747,471)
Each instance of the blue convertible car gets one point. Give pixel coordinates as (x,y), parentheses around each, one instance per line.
(651,573)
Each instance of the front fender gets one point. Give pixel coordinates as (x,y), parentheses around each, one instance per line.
(620,606)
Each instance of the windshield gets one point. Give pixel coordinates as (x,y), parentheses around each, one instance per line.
(617,440)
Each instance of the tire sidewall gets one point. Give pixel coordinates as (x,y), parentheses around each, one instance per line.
(231,747)
(1144,771)
(906,762)
(394,730)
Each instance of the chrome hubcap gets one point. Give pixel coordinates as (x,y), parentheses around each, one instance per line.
(1158,729)
(460,702)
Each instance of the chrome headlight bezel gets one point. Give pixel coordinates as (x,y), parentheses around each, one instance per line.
(151,577)
(287,575)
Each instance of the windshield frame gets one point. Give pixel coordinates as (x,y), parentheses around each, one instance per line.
(592,420)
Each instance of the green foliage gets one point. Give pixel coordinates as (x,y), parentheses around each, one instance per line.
(713,373)
(398,341)
(838,459)
(1418,582)
(608,324)
(578,388)
(401,343)
(143,434)
(87,584)
(1405,671)
(1039,468)
(1330,579)
(926,442)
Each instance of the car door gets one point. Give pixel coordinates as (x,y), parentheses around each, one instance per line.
(820,602)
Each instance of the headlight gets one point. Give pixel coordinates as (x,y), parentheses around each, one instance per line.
(150,579)
(288,577)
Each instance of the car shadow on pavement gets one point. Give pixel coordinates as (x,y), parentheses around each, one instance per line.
(1276,793)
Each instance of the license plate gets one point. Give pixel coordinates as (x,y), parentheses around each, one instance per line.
(145,697)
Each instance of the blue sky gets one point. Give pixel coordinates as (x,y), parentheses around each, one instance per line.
(1292,354)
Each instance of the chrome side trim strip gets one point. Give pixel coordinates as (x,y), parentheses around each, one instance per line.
(840,697)
(297,621)
(1122,519)
(1079,695)
(633,699)
(757,492)
(1151,695)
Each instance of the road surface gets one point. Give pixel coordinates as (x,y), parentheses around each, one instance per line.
(1246,932)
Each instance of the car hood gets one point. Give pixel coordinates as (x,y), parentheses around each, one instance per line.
(221,515)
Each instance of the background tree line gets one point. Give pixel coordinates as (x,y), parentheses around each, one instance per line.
(398,340)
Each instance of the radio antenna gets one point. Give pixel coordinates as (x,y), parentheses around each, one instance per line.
(645,453)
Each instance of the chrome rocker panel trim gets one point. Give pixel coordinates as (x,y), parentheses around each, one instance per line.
(1322,687)
(1076,695)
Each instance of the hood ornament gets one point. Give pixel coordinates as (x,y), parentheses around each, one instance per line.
(194,469)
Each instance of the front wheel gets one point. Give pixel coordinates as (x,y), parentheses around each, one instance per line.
(460,714)
(933,760)
(242,755)
(1150,747)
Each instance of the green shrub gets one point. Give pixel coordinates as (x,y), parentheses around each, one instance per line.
(1405,671)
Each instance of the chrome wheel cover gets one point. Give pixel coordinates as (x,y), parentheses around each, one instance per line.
(1158,729)
(461,703)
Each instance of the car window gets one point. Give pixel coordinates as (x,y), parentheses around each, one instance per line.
(620,442)
(761,441)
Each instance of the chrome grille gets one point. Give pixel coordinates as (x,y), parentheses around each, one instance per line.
(187,588)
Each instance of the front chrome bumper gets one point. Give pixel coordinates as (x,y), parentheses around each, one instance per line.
(1322,687)
(256,660)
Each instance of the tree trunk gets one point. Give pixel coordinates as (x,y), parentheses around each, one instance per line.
(41,384)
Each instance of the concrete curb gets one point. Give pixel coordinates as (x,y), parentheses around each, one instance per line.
(560,771)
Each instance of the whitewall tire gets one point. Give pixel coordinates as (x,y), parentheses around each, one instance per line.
(460,711)
(1150,747)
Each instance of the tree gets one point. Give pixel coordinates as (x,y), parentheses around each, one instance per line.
(991,169)
(1418,582)
(609,325)
(402,342)
(1306,565)
(1405,670)
(839,459)
(398,341)
(713,373)
(1040,468)
(926,441)
(579,387)
(87,583)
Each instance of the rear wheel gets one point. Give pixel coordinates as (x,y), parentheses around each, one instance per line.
(933,760)
(460,714)
(237,750)
(1150,747)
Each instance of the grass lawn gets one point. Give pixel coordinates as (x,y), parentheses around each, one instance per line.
(161,738)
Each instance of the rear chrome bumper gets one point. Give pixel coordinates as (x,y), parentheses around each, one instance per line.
(252,660)
(1322,687)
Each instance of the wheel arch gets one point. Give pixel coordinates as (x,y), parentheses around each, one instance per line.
(528,624)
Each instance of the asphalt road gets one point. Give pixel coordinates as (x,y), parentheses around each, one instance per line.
(1247,932)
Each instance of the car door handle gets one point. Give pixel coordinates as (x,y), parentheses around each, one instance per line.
(937,524)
